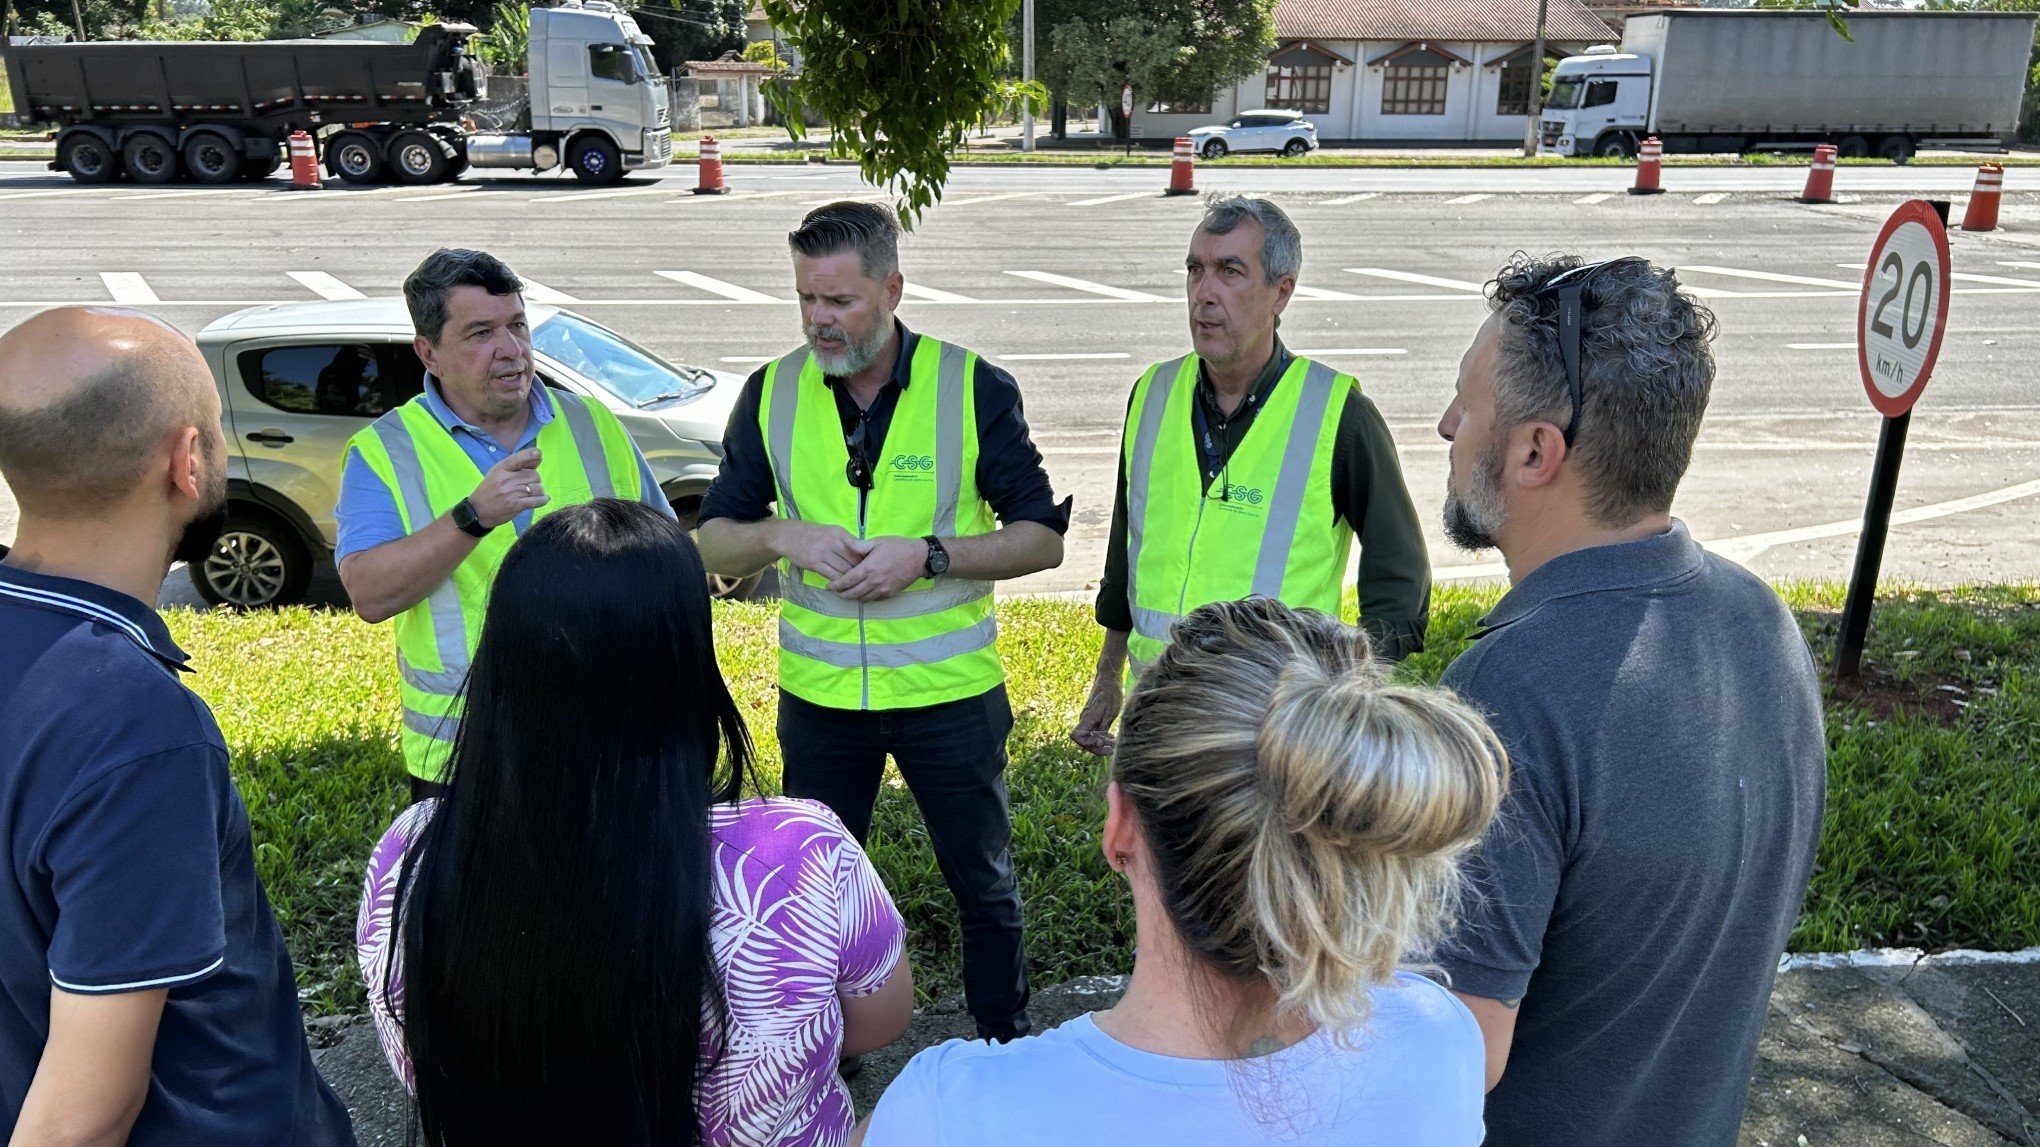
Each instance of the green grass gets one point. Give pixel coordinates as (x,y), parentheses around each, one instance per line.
(1929,841)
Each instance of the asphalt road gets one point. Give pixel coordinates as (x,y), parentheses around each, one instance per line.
(1069,277)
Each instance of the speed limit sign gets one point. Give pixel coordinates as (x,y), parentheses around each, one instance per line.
(1904,309)
(1126,99)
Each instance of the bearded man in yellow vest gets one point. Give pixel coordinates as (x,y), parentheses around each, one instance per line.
(891,478)
(1247,470)
(428,488)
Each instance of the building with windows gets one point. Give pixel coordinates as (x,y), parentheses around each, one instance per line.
(1394,70)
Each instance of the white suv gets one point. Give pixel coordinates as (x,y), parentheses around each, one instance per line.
(1263,129)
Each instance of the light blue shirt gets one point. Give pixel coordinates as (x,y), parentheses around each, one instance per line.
(1414,1078)
(367,514)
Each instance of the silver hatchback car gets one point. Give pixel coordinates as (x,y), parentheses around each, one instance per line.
(297,380)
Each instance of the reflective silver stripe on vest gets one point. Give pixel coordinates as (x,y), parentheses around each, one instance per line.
(949,416)
(1292,483)
(1145,437)
(1153,624)
(439,684)
(945,594)
(588,440)
(779,421)
(449,627)
(927,651)
(438,728)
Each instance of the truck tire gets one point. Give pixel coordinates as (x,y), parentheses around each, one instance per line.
(415,158)
(89,158)
(257,563)
(149,158)
(210,158)
(260,166)
(595,160)
(1897,148)
(1615,145)
(355,158)
(1852,147)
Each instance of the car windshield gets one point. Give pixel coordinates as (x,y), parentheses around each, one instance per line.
(611,362)
(1565,92)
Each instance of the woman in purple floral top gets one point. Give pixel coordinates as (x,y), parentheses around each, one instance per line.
(589,921)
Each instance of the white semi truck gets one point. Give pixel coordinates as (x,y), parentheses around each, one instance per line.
(1718,80)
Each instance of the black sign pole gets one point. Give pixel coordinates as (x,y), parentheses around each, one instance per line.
(1870,547)
(1876,524)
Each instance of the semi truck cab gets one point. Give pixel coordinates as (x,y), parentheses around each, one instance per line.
(596,96)
(1599,104)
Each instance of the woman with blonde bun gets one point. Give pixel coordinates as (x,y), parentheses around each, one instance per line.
(1290,825)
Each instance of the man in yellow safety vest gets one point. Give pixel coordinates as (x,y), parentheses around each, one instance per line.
(1247,470)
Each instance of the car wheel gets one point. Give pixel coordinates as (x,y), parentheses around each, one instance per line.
(355,158)
(595,160)
(148,158)
(211,159)
(1295,147)
(89,159)
(1215,149)
(725,588)
(256,563)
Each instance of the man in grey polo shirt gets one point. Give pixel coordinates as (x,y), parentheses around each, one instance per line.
(1662,717)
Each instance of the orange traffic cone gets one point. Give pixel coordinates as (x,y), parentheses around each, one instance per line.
(710,182)
(304,163)
(1983,201)
(1648,159)
(1182,178)
(1820,178)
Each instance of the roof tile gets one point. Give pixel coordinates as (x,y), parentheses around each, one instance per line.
(1442,20)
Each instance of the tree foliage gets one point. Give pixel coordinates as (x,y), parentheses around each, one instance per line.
(1179,51)
(683,30)
(507,44)
(899,81)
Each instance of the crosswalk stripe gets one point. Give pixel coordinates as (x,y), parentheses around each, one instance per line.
(128,287)
(1360,198)
(1597,197)
(728,291)
(325,286)
(1711,198)
(1113,199)
(989,198)
(1303,292)
(1475,198)
(1413,277)
(1774,277)
(535,292)
(1088,286)
(931,295)
(584,196)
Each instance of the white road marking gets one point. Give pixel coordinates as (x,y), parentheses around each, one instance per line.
(584,196)
(1114,198)
(746,359)
(989,198)
(1820,346)
(1474,198)
(128,287)
(1966,277)
(1346,351)
(2021,264)
(540,293)
(457,193)
(1360,198)
(1774,277)
(1069,356)
(181,194)
(41,194)
(1303,292)
(753,194)
(1711,198)
(1597,197)
(931,295)
(728,291)
(855,196)
(1413,277)
(1092,288)
(325,286)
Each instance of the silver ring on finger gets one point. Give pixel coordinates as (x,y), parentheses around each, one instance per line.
(527,490)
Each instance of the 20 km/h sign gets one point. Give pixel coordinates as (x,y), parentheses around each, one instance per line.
(1904,309)
(1899,323)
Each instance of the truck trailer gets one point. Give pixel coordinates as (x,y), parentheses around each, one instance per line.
(1716,80)
(218,112)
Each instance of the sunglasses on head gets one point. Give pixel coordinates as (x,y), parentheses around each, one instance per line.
(1570,286)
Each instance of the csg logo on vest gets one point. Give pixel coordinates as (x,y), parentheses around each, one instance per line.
(915,468)
(1235,499)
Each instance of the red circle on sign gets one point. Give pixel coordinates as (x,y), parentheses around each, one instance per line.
(1921,213)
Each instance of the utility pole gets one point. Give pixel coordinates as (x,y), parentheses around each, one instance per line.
(78,18)
(1027,74)
(1531,128)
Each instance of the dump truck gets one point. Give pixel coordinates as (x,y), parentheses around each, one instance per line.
(1723,80)
(218,112)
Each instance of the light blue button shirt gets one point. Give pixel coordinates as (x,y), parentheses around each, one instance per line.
(367,514)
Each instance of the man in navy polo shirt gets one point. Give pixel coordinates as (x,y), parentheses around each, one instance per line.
(145,993)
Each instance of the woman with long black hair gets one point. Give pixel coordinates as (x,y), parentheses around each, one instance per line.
(589,938)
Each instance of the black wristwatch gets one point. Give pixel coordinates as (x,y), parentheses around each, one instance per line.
(469,522)
(938,558)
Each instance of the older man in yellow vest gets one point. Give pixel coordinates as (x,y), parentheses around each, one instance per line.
(891,478)
(428,488)
(1247,471)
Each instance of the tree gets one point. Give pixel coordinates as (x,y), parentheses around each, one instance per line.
(900,81)
(1179,51)
(683,30)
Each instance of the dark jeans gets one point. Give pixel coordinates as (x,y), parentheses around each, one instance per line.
(953,758)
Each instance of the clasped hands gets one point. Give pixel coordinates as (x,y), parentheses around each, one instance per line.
(858,569)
